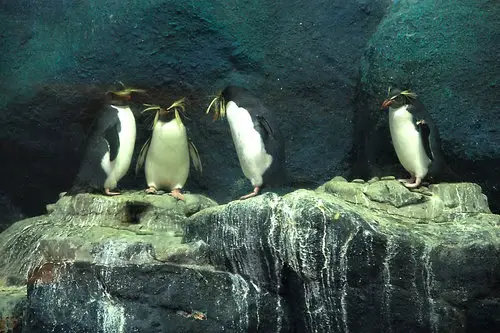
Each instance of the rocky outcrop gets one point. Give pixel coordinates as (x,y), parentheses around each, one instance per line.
(130,228)
(348,257)
(366,257)
(447,53)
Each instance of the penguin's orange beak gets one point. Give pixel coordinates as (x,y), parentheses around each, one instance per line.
(386,104)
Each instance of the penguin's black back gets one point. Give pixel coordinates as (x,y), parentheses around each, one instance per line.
(103,138)
(266,125)
(430,139)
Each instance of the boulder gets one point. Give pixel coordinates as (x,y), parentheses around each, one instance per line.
(133,227)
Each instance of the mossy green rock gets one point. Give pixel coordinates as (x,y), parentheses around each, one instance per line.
(130,228)
(12,305)
(439,203)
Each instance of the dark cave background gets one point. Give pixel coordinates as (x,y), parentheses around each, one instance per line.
(323,67)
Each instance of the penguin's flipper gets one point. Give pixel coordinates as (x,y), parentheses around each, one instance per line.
(142,156)
(425,134)
(195,156)
(275,175)
(262,126)
(113,139)
(418,111)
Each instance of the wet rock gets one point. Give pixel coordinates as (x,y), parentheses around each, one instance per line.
(149,298)
(351,264)
(393,193)
(133,227)
(462,198)
(12,306)
(350,257)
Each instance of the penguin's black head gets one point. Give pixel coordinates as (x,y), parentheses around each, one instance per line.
(167,114)
(124,96)
(230,93)
(397,98)
(219,105)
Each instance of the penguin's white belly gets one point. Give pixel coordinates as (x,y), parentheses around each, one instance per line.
(118,168)
(254,160)
(167,159)
(407,142)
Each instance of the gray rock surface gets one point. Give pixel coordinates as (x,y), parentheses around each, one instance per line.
(348,257)
(150,298)
(130,228)
(376,257)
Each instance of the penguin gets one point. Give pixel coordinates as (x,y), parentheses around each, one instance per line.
(110,146)
(256,137)
(414,135)
(166,154)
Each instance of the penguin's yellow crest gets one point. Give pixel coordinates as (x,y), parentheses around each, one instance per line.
(177,107)
(219,106)
(409,94)
(126,90)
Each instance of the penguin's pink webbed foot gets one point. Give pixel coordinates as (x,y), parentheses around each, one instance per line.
(415,184)
(151,190)
(406,181)
(107,191)
(251,194)
(176,193)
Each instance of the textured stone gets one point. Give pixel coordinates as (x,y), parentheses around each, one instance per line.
(361,267)
(132,227)
(12,306)
(440,203)
(251,266)
(154,298)
(393,193)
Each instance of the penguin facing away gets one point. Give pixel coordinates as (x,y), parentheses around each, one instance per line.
(414,136)
(255,135)
(110,147)
(166,154)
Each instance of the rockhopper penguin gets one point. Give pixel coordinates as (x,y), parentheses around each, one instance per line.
(414,136)
(256,137)
(110,146)
(165,155)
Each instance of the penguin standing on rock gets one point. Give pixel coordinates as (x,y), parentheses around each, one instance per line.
(256,137)
(166,153)
(110,146)
(414,136)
